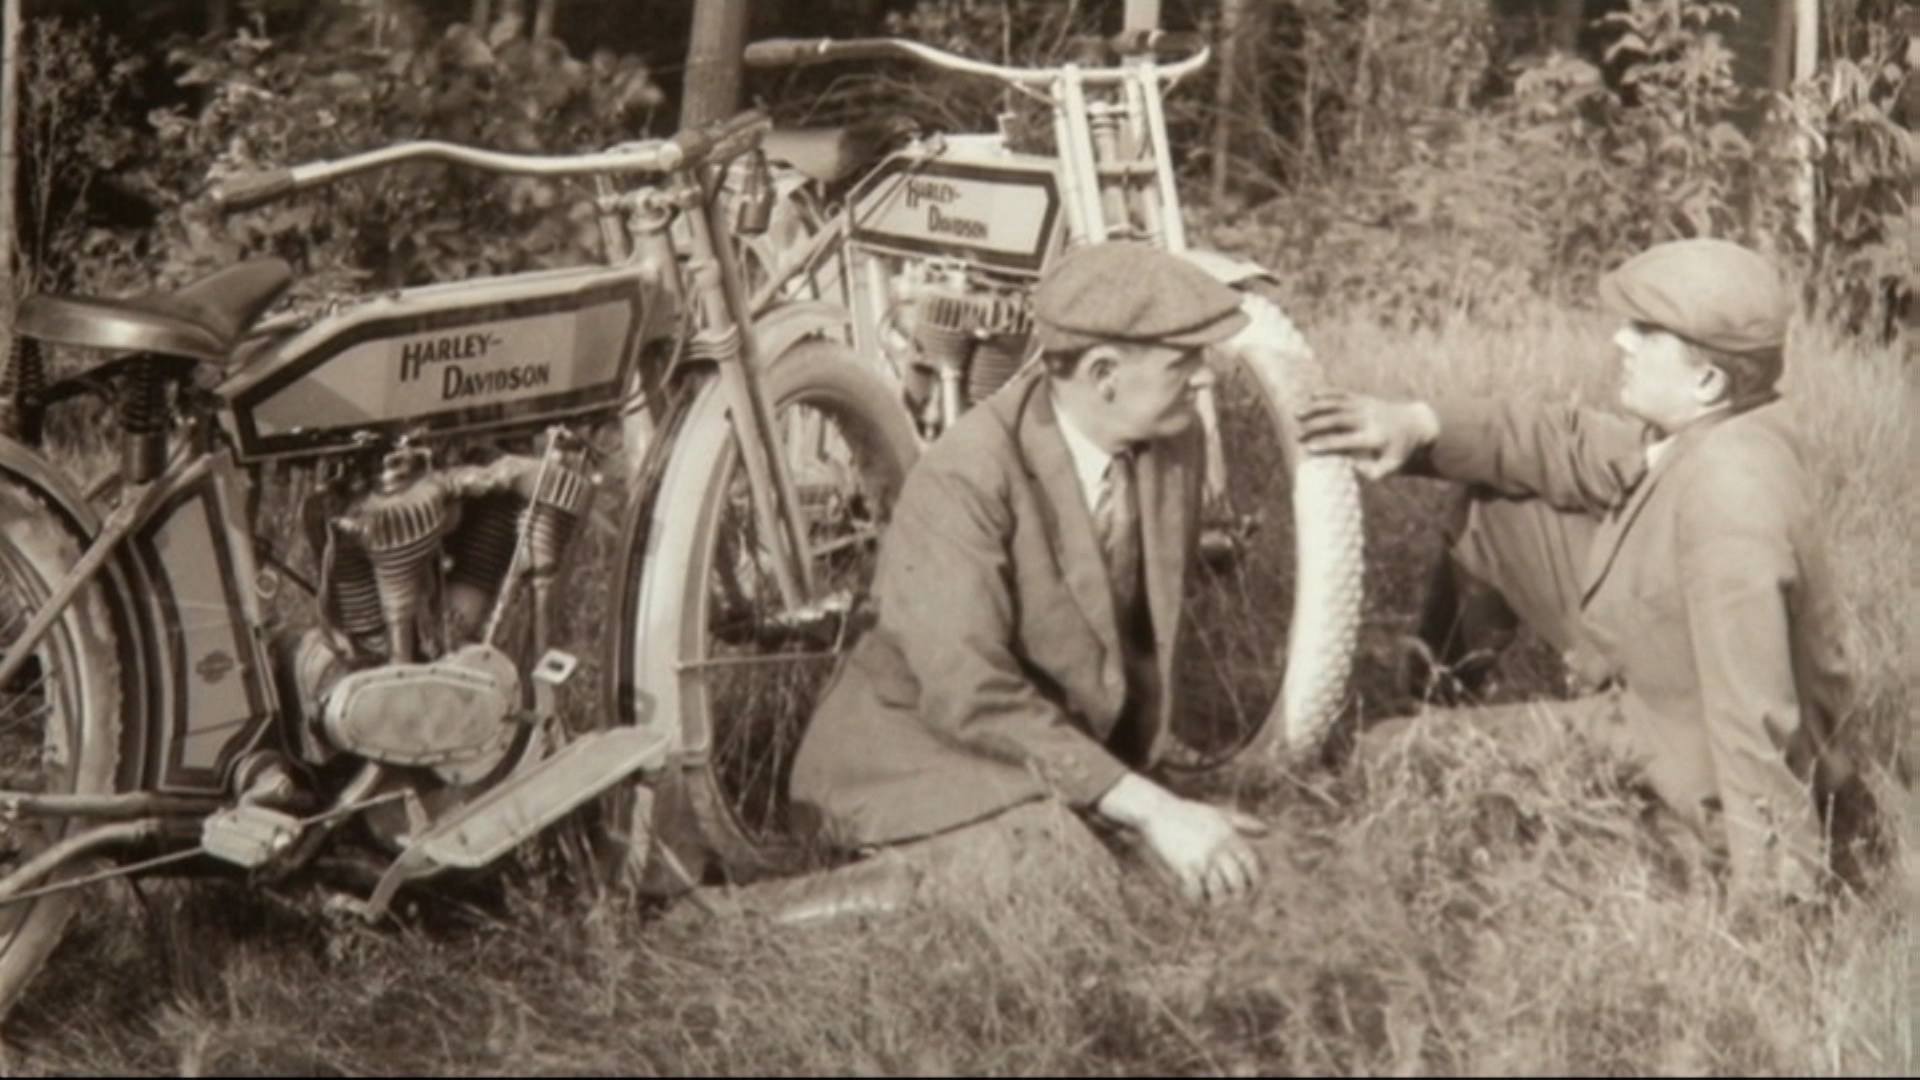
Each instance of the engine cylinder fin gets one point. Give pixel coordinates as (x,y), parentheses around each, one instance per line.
(482,548)
(996,360)
(356,595)
(482,551)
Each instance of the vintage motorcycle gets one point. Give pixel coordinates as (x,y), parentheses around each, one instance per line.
(931,245)
(437,472)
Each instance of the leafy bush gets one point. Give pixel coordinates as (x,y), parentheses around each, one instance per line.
(1447,211)
(268,102)
(77,82)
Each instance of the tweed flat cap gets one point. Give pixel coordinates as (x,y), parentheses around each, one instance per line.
(1132,292)
(1710,292)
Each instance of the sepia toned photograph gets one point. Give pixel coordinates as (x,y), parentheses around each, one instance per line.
(959,537)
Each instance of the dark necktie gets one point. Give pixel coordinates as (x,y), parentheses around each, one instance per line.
(1116,519)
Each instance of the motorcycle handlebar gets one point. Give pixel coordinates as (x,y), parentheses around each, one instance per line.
(252,189)
(652,156)
(801,52)
(1157,42)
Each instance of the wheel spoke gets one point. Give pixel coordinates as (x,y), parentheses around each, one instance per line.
(760,665)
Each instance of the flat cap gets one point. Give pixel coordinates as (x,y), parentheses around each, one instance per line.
(1132,292)
(1710,292)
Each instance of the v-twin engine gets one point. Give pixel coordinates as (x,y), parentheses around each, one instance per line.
(420,566)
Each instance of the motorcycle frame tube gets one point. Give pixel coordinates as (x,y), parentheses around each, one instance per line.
(776,501)
(1173,226)
(1073,141)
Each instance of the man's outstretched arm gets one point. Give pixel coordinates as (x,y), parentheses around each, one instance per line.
(1576,459)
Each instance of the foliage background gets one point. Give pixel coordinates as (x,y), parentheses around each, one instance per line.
(1419,157)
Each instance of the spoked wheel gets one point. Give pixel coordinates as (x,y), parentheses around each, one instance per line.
(714,641)
(59,718)
(1272,606)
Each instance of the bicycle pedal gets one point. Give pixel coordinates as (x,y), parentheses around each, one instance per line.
(248,835)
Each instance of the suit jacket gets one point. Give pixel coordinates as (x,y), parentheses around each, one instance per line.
(1708,594)
(994,673)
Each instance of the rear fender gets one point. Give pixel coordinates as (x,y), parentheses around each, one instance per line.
(28,467)
(123,580)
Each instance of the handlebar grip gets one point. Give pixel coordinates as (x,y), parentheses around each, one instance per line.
(786,52)
(252,189)
(1159,42)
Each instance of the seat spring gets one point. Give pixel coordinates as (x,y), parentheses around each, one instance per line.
(21,386)
(143,418)
(143,401)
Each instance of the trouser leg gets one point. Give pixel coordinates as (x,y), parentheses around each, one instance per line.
(1034,847)
(1507,562)
(1536,734)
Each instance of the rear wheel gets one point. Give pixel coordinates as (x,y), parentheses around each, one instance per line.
(59,718)
(714,643)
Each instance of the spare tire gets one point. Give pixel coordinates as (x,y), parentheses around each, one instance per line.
(1272,609)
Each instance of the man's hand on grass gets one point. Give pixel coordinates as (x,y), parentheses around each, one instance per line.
(1204,847)
(1379,435)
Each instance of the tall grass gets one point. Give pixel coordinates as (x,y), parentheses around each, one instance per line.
(1471,909)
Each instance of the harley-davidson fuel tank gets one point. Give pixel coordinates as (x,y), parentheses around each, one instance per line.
(460,357)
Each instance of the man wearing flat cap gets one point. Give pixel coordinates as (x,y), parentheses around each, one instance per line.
(1673,555)
(1028,595)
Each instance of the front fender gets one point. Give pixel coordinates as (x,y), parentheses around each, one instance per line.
(787,325)
(1231,270)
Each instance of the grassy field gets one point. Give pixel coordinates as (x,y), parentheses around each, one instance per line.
(1475,913)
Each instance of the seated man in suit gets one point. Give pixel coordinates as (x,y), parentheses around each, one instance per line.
(1028,593)
(1674,555)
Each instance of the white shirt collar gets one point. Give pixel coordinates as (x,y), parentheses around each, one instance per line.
(1089,461)
(1656,450)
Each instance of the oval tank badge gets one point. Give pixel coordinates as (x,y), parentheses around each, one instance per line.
(214,666)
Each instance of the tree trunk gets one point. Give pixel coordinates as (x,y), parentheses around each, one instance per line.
(1233,19)
(10,33)
(712,87)
(1780,56)
(481,15)
(1806,55)
(219,17)
(1568,17)
(512,9)
(543,19)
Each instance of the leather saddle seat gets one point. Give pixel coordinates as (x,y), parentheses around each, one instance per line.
(203,320)
(830,154)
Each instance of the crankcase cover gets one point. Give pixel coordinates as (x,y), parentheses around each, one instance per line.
(452,715)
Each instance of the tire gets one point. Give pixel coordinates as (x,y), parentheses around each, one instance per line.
(59,718)
(708,645)
(1272,608)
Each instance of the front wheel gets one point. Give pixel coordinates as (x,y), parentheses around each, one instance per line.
(712,640)
(59,717)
